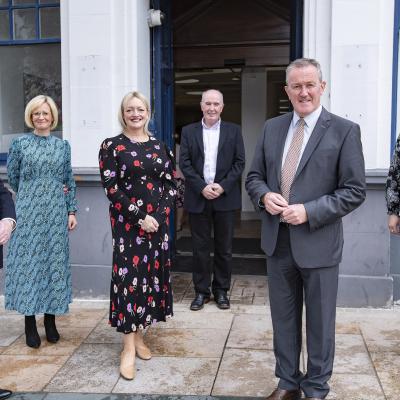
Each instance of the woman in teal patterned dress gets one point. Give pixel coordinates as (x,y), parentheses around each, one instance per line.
(38,276)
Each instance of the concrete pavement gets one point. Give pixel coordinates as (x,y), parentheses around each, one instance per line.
(204,353)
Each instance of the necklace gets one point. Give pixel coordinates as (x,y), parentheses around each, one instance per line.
(137,139)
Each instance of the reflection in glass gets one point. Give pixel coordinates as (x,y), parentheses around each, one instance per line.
(50,23)
(24,2)
(4,3)
(49,1)
(4,26)
(24,24)
(26,71)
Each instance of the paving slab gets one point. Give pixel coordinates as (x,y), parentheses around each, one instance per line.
(242,300)
(246,373)
(352,356)
(387,365)
(70,339)
(251,332)
(22,373)
(253,309)
(382,338)
(28,396)
(355,387)
(81,317)
(93,368)
(172,375)
(11,327)
(104,333)
(185,319)
(207,343)
(260,300)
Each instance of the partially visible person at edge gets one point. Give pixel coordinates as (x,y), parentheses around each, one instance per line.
(38,274)
(212,160)
(137,172)
(393,191)
(307,173)
(7,224)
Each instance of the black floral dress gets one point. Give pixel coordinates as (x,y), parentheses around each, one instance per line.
(138,179)
(393,182)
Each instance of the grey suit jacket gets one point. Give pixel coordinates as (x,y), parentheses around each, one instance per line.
(330,182)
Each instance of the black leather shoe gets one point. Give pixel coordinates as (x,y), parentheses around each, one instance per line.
(5,394)
(199,301)
(282,394)
(221,298)
(52,334)
(31,333)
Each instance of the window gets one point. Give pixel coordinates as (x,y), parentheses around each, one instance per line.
(30,54)
(29,21)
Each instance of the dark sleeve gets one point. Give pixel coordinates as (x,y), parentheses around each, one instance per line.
(7,209)
(109,176)
(192,177)
(393,182)
(256,181)
(234,174)
(167,200)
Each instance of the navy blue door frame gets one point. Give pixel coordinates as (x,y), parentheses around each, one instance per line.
(162,75)
(296,29)
(162,85)
(395,79)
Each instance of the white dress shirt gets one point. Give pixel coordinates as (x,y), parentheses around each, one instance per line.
(309,124)
(210,142)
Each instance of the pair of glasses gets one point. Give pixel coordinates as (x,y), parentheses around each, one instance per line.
(37,114)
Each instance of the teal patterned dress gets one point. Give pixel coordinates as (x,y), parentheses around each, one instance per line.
(38,276)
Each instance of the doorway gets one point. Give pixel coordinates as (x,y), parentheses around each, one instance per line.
(241,50)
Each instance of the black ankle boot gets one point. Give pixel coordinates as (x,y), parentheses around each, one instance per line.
(31,333)
(52,334)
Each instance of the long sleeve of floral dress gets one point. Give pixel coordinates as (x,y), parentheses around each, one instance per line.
(13,165)
(393,182)
(109,171)
(69,181)
(167,200)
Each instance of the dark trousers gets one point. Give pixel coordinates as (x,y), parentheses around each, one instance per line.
(201,226)
(287,282)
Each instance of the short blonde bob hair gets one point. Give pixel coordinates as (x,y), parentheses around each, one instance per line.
(125,100)
(35,103)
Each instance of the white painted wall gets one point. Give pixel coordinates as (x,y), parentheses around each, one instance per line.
(105,49)
(354,41)
(254,105)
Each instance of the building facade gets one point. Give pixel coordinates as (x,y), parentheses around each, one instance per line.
(88,54)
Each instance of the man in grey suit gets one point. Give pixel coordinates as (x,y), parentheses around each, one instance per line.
(307,173)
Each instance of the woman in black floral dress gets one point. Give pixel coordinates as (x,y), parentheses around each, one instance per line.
(137,174)
(393,191)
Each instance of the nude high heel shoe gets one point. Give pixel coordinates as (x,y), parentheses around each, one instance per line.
(142,351)
(127,367)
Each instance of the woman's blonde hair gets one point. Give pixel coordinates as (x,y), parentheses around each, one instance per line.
(125,99)
(35,103)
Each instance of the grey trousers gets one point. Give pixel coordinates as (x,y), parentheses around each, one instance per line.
(288,286)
